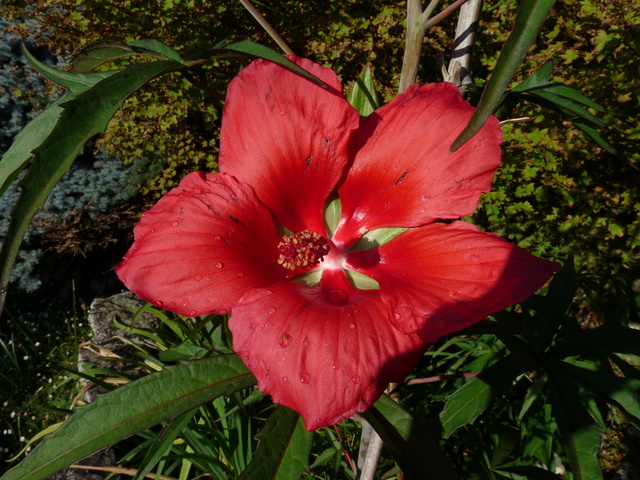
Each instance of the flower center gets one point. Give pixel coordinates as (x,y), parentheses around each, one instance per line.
(302,250)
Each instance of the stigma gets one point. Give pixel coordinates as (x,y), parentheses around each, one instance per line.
(305,249)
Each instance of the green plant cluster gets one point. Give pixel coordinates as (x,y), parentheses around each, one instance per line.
(557,192)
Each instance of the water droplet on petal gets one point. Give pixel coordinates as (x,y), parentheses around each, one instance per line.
(268,292)
(192,313)
(222,154)
(185,302)
(305,378)
(198,277)
(217,237)
(175,224)
(271,311)
(240,274)
(352,326)
(219,265)
(285,340)
(341,310)
(337,296)
(355,378)
(282,114)
(285,379)
(159,303)
(396,316)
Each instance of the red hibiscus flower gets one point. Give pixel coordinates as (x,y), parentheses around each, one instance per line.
(322,318)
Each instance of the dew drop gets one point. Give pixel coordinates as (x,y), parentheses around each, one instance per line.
(198,277)
(185,302)
(337,296)
(341,310)
(192,313)
(355,379)
(352,326)
(285,340)
(175,224)
(285,379)
(305,378)
(217,237)
(268,292)
(219,265)
(396,316)
(222,154)
(240,274)
(159,303)
(282,114)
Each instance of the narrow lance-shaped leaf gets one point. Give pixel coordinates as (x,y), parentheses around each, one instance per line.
(82,118)
(363,96)
(580,434)
(421,443)
(202,53)
(163,443)
(529,19)
(617,390)
(134,407)
(35,132)
(104,52)
(283,452)
(469,401)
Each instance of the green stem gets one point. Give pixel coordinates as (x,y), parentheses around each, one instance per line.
(413,42)
(268,28)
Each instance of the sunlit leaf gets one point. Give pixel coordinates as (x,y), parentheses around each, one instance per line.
(364,96)
(529,19)
(145,402)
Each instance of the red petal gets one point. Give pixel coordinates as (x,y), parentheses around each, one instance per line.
(287,138)
(202,246)
(326,351)
(439,278)
(403,174)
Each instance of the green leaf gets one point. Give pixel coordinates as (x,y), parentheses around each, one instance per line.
(604,340)
(469,401)
(396,444)
(283,452)
(617,390)
(377,237)
(82,118)
(526,472)
(421,444)
(163,443)
(579,433)
(35,132)
(99,54)
(364,96)
(245,48)
(145,402)
(529,19)
(151,47)
(104,52)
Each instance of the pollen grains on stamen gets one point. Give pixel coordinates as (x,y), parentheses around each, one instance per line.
(304,249)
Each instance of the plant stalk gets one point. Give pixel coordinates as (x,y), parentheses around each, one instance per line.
(268,28)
